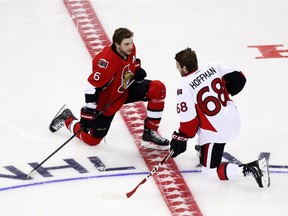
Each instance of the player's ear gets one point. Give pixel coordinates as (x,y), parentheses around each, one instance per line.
(117,45)
(185,69)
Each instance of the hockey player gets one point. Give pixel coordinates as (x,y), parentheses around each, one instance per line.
(205,108)
(116,79)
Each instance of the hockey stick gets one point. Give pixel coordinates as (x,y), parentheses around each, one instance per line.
(74,135)
(129,194)
(67,141)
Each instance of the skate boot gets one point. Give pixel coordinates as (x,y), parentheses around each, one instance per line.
(150,139)
(59,120)
(259,170)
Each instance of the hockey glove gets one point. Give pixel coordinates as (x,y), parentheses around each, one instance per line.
(178,143)
(88,116)
(140,74)
(235,82)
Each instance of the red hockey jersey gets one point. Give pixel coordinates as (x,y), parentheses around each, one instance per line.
(113,74)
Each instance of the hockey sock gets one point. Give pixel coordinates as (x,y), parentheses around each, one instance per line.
(229,171)
(222,171)
(156,95)
(225,171)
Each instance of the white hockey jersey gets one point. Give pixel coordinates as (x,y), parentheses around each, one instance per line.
(204,106)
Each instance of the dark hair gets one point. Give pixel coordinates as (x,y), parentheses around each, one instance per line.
(187,58)
(120,34)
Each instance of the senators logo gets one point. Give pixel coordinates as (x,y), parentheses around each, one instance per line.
(126,79)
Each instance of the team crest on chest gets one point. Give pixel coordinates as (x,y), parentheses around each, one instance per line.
(126,78)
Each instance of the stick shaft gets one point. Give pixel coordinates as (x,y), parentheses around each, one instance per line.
(60,147)
(129,194)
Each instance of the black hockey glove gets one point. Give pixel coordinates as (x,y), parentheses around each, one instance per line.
(178,143)
(140,74)
(235,82)
(88,116)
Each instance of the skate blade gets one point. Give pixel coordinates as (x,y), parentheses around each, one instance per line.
(265,172)
(58,113)
(150,145)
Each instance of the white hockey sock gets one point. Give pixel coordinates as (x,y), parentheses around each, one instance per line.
(233,171)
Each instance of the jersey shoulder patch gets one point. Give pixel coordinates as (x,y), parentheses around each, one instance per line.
(179,91)
(103,63)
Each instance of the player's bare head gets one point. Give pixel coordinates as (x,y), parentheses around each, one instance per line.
(187,58)
(120,34)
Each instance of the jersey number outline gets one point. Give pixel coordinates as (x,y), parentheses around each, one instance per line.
(218,102)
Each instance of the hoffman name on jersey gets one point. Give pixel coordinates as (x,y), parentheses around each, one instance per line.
(202,77)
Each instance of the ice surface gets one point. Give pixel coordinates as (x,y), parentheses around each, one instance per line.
(44,63)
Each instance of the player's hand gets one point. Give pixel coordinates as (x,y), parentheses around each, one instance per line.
(178,143)
(88,116)
(140,74)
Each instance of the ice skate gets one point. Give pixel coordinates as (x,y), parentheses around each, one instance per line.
(59,120)
(150,139)
(259,170)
